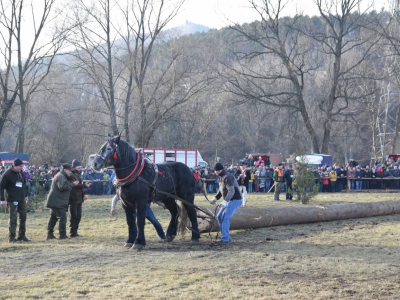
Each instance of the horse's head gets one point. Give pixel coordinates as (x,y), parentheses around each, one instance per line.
(108,154)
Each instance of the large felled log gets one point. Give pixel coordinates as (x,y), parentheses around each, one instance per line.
(248,218)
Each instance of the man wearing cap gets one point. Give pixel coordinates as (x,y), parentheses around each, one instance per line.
(229,191)
(14,183)
(76,198)
(57,201)
(278,178)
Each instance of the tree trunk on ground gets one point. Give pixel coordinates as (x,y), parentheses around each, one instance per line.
(249,218)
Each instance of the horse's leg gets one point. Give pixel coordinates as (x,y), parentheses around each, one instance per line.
(192,215)
(130,214)
(170,204)
(140,222)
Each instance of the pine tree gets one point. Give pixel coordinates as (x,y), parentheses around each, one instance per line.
(304,185)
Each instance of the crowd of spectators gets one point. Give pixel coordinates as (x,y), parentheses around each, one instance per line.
(331,179)
(335,178)
(40,178)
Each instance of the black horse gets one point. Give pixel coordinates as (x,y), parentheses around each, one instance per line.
(139,182)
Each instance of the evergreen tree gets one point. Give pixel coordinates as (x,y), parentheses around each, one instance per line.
(304,185)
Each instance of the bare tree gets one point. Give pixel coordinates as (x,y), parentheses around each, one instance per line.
(347,49)
(279,56)
(28,54)
(272,62)
(115,50)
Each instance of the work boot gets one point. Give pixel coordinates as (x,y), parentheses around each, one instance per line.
(13,240)
(73,235)
(63,236)
(23,238)
(50,236)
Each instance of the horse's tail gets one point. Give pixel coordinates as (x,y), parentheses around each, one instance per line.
(184,221)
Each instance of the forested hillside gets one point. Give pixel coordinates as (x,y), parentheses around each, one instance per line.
(287,85)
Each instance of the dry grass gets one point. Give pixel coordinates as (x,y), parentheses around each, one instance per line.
(349,259)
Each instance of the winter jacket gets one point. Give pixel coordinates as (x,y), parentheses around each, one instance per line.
(60,190)
(228,187)
(78,191)
(9,182)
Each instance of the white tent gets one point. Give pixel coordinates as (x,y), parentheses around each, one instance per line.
(310,159)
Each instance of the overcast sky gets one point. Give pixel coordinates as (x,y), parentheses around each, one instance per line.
(221,13)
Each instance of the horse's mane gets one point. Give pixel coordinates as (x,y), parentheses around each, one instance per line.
(126,150)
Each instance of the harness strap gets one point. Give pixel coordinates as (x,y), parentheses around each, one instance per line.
(134,169)
(132,176)
(178,198)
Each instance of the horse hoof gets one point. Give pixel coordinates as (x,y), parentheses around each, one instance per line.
(170,238)
(194,242)
(137,247)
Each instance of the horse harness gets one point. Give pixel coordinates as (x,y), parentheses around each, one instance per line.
(135,174)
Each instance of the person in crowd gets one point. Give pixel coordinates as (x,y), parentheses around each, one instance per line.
(288,178)
(269,171)
(14,183)
(230,192)
(278,179)
(243,177)
(366,175)
(259,162)
(333,179)
(317,177)
(350,177)
(130,214)
(76,198)
(387,182)
(88,176)
(325,181)
(380,173)
(197,175)
(97,185)
(250,186)
(262,178)
(395,174)
(256,181)
(373,184)
(106,177)
(57,201)
(210,182)
(341,182)
(358,175)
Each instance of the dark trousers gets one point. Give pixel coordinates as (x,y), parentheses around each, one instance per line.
(12,224)
(289,192)
(58,214)
(75,215)
(130,214)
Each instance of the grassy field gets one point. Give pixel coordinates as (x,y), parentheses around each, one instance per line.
(349,259)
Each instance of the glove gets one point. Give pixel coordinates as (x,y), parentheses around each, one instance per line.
(223,203)
(213,200)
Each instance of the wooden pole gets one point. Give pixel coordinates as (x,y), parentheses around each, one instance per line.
(249,218)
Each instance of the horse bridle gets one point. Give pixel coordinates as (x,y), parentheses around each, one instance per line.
(107,160)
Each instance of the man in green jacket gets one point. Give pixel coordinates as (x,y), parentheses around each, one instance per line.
(14,184)
(57,201)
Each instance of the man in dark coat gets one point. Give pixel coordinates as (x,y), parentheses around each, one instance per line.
(288,179)
(76,198)
(57,201)
(14,183)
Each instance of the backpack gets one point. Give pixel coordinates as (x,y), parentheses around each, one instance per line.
(380,171)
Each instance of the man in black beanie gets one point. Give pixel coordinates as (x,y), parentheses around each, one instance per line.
(229,191)
(14,183)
